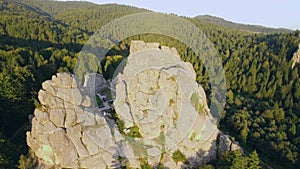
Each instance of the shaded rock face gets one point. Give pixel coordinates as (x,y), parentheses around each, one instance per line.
(227,144)
(296,57)
(156,95)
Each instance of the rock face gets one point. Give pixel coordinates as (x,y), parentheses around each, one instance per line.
(296,57)
(67,130)
(227,144)
(158,94)
(164,111)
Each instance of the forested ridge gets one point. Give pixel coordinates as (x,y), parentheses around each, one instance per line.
(238,26)
(40,38)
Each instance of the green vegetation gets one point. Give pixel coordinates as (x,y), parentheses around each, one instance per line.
(134,132)
(235,160)
(121,126)
(251,28)
(178,156)
(192,135)
(40,38)
(195,101)
(145,165)
(107,92)
(28,161)
(99,101)
(162,141)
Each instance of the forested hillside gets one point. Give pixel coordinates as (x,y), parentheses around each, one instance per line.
(238,26)
(39,38)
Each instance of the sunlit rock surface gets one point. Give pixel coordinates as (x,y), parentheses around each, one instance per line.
(157,92)
(156,95)
(68,131)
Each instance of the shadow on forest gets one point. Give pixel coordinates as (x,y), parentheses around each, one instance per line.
(35,44)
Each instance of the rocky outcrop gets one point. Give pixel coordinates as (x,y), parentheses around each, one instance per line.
(296,57)
(226,144)
(157,93)
(67,130)
(164,111)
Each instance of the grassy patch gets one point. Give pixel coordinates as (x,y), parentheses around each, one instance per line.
(145,164)
(195,101)
(121,125)
(107,92)
(178,156)
(99,101)
(134,132)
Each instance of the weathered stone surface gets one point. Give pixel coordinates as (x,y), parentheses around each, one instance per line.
(64,151)
(226,144)
(63,80)
(74,133)
(72,96)
(169,162)
(88,141)
(93,162)
(86,102)
(41,116)
(70,119)
(57,116)
(156,95)
(50,88)
(128,152)
(159,95)
(67,132)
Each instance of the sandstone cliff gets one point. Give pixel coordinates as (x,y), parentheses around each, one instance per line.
(163,109)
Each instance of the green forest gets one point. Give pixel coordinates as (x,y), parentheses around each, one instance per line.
(39,38)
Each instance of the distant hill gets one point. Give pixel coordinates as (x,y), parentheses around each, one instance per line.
(90,17)
(84,15)
(55,7)
(246,27)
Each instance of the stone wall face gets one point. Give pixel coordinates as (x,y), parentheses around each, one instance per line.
(68,131)
(156,94)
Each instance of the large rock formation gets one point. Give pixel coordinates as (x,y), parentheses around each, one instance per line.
(157,93)
(67,130)
(164,111)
